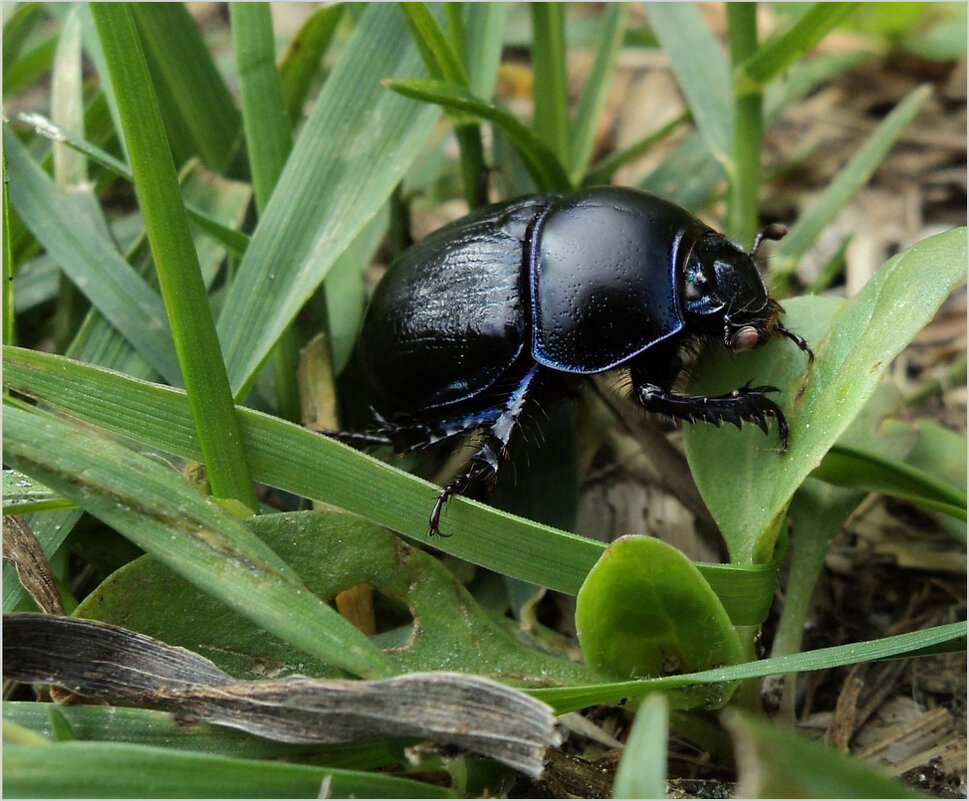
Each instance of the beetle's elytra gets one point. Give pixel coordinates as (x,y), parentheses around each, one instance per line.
(469,322)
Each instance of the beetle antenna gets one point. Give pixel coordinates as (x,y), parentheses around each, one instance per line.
(773,231)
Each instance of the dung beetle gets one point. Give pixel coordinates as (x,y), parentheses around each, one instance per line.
(466,325)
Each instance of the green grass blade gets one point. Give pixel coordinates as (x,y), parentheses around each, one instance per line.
(203,101)
(7,311)
(439,57)
(849,467)
(162,513)
(302,60)
(950,638)
(603,170)
(164,730)
(849,180)
(176,261)
(701,70)
(551,116)
(595,91)
(772,59)
(298,461)
(351,152)
(67,103)
(642,769)
(442,63)
(268,134)
(485,36)
(127,301)
(111,770)
(234,241)
(29,67)
(17,29)
(774,762)
(541,162)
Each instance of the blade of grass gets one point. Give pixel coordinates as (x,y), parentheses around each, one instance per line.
(595,92)
(540,161)
(132,306)
(17,29)
(162,729)
(176,261)
(642,769)
(233,241)
(110,770)
(298,461)
(845,466)
(162,513)
(7,312)
(950,638)
(762,66)
(351,152)
(442,63)
(485,36)
(701,70)
(551,115)
(203,101)
(301,62)
(29,67)
(268,134)
(603,170)
(849,180)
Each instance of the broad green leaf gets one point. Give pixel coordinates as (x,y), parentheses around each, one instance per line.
(157,509)
(645,610)
(776,763)
(642,769)
(110,770)
(746,483)
(351,152)
(298,461)
(442,628)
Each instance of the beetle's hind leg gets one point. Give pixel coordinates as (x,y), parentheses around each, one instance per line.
(483,466)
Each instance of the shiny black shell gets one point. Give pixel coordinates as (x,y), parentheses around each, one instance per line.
(579,283)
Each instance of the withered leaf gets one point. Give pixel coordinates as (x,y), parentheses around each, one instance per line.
(122,667)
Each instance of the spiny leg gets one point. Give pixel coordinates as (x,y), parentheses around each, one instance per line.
(483,466)
(747,403)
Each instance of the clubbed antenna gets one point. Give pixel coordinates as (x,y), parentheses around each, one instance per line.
(773,231)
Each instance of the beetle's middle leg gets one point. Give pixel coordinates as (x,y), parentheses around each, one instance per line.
(483,466)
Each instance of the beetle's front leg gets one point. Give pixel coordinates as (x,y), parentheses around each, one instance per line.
(747,403)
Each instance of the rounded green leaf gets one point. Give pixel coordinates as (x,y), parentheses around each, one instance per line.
(646,611)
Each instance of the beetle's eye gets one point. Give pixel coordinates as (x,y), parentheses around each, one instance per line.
(744,339)
(693,292)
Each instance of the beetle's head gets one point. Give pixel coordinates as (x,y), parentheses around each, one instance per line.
(722,289)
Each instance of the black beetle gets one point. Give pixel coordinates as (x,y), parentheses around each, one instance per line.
(467,323)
